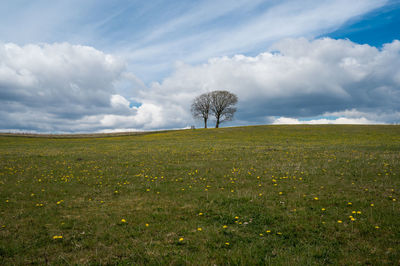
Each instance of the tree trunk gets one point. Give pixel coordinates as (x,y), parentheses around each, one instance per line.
(217,124)
(205,122)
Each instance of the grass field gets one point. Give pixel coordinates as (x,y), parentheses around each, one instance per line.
(247,195)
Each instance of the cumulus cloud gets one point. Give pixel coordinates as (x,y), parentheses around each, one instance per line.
(64,87)
(298,78)
(49,87)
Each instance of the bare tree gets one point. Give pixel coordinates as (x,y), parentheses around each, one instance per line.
(201,107)
(222,106)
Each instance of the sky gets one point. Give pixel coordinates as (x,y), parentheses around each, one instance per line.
(74,66)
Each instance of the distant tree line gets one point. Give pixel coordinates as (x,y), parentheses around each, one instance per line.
(220,104)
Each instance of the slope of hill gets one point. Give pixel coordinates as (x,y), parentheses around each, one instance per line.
(246,195)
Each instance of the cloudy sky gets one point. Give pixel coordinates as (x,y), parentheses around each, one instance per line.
(99,65)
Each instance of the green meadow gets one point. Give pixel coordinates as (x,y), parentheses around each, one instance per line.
(278,195)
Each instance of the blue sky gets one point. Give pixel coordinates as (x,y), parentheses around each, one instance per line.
(141,62)
(374,28)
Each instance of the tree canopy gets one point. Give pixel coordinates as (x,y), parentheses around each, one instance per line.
(221,104)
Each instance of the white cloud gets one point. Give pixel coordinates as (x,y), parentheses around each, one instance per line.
(303,79)
(57,74)
(64,87)
(337,121)
(119,101)
(49,87)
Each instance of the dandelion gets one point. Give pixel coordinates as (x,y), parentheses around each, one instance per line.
(227,243)
(349,203)
(261,234)
(268,231)
(225,226)
(236,217)
(123,220)
(279,233)
(372,205)
(280,192)
(377,227)
(147,225)
(199,229)
(340,221)
(316,198)
(57,237)
(323,209)
(358,212)
(181,239)
(260,194)
(200,213)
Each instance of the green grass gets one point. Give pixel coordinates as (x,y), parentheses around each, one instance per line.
(267,185)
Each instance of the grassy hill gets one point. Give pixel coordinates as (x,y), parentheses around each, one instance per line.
(246,195)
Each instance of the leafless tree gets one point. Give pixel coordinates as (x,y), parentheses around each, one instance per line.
(201,107)
(223,106)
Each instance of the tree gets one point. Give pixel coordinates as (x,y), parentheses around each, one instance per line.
(222,106)
(201,107)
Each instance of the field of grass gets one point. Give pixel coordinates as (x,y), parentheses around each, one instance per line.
(247,195)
